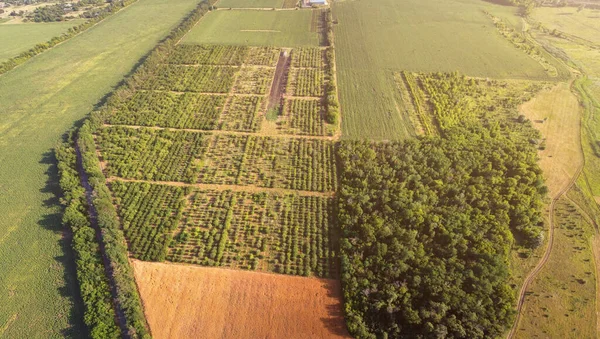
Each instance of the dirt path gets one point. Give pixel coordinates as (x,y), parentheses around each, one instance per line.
(557,114)
(533,274)
(234,188)
(220,132)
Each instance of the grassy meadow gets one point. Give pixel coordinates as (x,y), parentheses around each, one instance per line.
(39,101)
(584,24)
(257,28)
(18,38)
(415,35)
(250,3)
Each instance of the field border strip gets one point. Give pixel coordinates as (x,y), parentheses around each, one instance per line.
(233,188)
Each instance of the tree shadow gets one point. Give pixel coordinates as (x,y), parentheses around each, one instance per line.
(53,222)
(335,322)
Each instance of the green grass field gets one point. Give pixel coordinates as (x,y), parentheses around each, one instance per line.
(258,28)
(584,24)
(415,35)
(39,101)
(18,38)
(250,3)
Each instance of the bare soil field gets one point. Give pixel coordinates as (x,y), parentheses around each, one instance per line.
(183,301)
(556,114)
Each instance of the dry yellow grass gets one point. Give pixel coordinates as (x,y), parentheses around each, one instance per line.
(183,301)
(557,114)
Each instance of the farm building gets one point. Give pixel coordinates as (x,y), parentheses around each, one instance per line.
(308,3)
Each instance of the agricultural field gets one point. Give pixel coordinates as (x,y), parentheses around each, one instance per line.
(18,38)
(584,24)
(199,177)
(254,4)
(184,301)
(415,36)
(257,28)
(39,101)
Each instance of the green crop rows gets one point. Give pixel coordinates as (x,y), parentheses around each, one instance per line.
(299,164)
(178,78)
(306,82)
(148,215)
(304,117)
(307,57)
(151,154)
(254,80)
(241,114)
(191,121)
(280,233)
(208,55)
(165,109)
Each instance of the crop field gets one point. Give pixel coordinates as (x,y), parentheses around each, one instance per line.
(256,28)
(583,24)
(184,301)
(371,40)
(196,176)
(15,39)
(39,101)
(251,3)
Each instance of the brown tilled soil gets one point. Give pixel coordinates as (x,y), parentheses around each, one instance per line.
(183,301)
(278,85)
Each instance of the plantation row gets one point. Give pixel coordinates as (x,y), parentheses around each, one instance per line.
(254,80)
(164,109)
(170,155)
(299,164)
(306,82)
(143,153)
(304,117)
(241,113)
(278,233)
(223,55)
(149,214)
(208,79)
(208,55)
(308,57)
(455,99)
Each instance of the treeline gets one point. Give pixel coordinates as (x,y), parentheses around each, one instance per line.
(41,47)
(427,228)
(127,300)
(332,105)
(99,315)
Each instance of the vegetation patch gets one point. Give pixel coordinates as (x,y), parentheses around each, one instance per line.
(209,79)
(165,109)
(150,154)
(242,114)
(258,231)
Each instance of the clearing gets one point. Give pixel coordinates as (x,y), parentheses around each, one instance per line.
(190,301)
(417,36)
(583,24)
(556,114)
(258,28)
(39,101)
(15,39)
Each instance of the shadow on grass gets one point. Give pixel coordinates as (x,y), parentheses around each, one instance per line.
(335,322)
(53,223)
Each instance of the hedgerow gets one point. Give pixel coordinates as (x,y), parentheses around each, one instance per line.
(99,315)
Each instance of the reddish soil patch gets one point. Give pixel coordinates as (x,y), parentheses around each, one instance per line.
(278,86)
(184,301)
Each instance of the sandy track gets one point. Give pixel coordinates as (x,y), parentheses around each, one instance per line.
(185,301)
